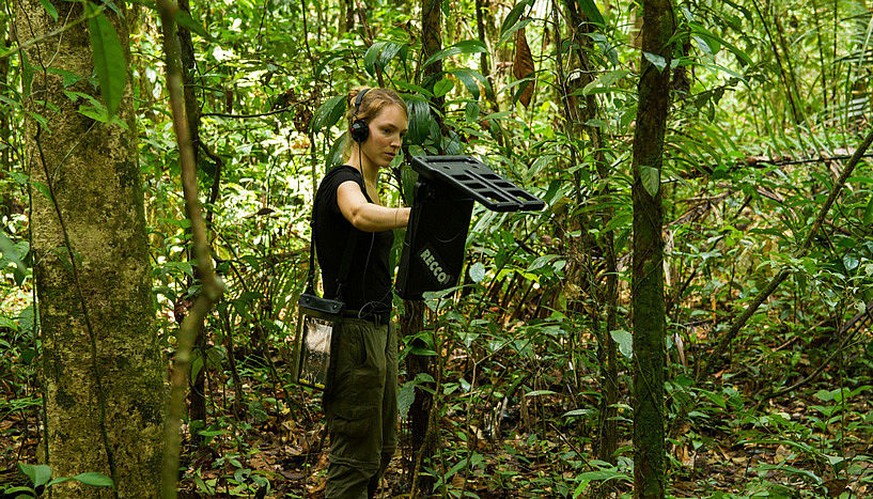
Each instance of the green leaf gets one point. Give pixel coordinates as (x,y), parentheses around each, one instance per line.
(651,178)
(471,79)
(477,272)
(443,87)
(381,53)
(514,15)
(658,61)
(625,342)
(39,474)
(537,393)
(714,42)
(50,9)
(94,479)
(371,57)
(109,62)
(868,213)
(184,19)
(462,47)
(328,114)
(26,74)
(604,83)
(592,12)
(405,397)
(420,118)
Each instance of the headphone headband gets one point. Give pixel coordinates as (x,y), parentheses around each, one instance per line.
(360,130)
(359,99)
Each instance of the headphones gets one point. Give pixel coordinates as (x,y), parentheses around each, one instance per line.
(360,129)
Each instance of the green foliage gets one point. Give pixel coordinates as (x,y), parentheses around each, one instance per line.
(40,476)
(519,343)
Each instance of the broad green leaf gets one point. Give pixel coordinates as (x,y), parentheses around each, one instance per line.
(625,342)
(109,62)
(511,31)
(94,479)
(381,53)
(462,47)
(477,272)
(592,12)
(50,9)
(514,15)
(471,79)
(184,19)
(656,60)
(372,56)
(651,179)
(39,474)
(604,82)
(405,397)
(443,87)
(420,118)
(328,114)
(715,43)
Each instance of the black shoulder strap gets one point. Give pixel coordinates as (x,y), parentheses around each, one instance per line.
(346,263)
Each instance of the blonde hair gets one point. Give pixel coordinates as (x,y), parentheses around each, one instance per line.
(373,102)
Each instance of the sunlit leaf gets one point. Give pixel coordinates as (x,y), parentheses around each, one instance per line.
(656,60)
(651,179)
(328,114)
(477,272)
(39,474)
(592,12)
(625,342)
(184,19)
(109,62)
(462,47)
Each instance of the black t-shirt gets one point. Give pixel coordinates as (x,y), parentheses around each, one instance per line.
(368,285)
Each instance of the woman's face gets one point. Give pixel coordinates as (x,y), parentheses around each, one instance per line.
(386,135)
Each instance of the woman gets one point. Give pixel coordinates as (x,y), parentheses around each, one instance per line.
(351,224)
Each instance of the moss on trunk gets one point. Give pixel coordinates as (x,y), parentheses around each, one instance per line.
(103,371)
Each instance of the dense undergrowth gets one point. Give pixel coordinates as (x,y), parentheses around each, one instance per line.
(753,150)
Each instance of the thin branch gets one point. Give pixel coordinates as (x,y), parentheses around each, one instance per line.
(244,116)
(747,314)
(866,314)
(212,287)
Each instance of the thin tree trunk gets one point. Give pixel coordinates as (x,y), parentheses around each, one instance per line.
(197,397)
(212,288)
(413,320)
(649,319)
(102,366)
(606,441)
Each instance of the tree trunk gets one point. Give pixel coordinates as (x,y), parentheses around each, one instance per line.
(581,112)
(413,319)
(102,368)
(648,269)
(411,323)
(197,395)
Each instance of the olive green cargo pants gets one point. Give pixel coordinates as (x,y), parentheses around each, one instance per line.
(360,402)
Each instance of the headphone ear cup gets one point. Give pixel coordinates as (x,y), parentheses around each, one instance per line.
(360,131)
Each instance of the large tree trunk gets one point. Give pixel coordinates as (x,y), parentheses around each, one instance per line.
(648,270)
(102,368)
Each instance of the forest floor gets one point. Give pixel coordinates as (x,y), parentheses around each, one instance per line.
(278,450)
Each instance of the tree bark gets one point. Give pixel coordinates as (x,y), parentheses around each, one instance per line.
(413,320)
(579,113)
(102,368)
(648,270)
